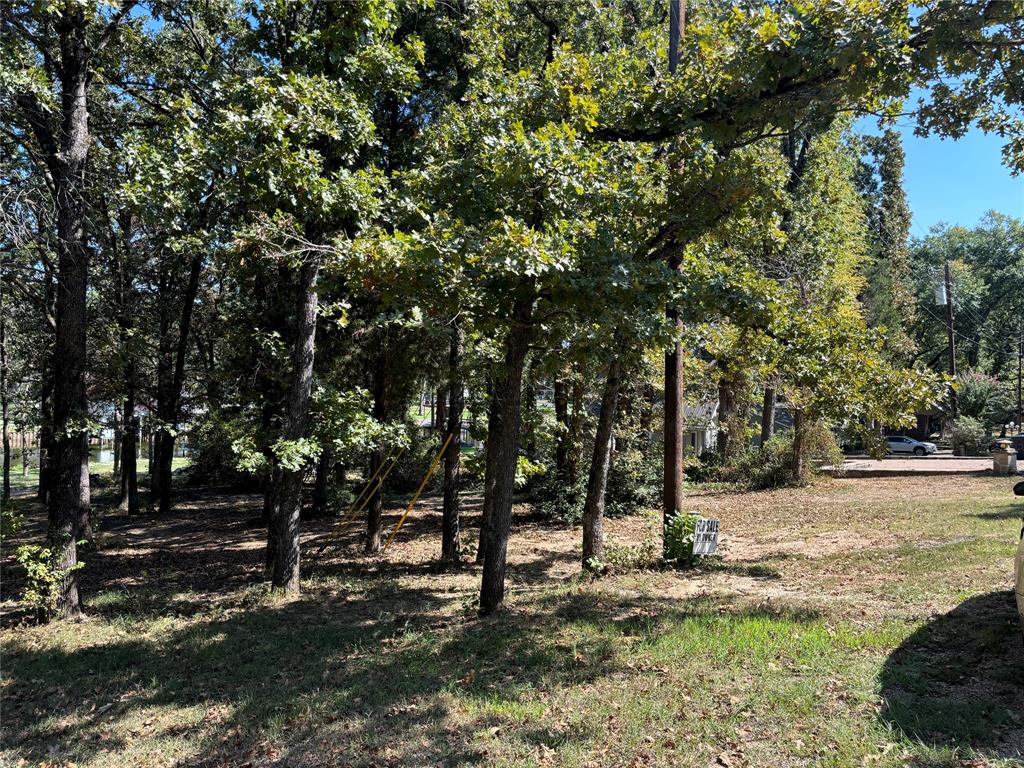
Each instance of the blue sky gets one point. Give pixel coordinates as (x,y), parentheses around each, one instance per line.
(955,182)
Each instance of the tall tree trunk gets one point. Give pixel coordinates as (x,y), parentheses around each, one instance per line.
(456,401)
(563,437)
(490,468)
(441,411)
(579,418)
(530,408)
(115,446)
(85,531)
(593,507)
(170,391)
(164,365)
(289,496)
(5,489)
(375,509)
(672,483)
(672,488)
(46,447)
(799,446)
(322,483)
(70,406)
(508,394)
(129,501)
(768,415)
(24,454)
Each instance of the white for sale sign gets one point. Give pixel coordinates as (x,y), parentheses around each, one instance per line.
(705,537)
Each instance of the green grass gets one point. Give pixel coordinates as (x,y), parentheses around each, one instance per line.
(859,663)
(31,480)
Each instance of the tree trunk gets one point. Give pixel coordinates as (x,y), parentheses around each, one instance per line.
(289,496)
(269,515)
(563,437)
(5,489)
(593,507)
(322,483)
(530,408)
(441,411)
(70,406)
(672,490)
(169,391)
(508,395)
(456,401)
(768,415)
(375,509)
(490,468)
(164,367)
(575,447)
(85,532)
(129,501)
(799,446)
(24,454)
(116,446)
(46,465)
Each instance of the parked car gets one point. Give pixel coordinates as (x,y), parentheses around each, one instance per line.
(1018,443)
(901,444)
(1018,564)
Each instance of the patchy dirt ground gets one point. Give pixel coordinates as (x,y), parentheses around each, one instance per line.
(856,622)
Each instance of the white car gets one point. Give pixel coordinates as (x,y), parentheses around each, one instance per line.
(901,444)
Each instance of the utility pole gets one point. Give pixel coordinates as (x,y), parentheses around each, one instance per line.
(672,493)
(953,406)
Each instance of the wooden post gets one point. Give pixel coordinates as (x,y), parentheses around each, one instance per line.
(672,497)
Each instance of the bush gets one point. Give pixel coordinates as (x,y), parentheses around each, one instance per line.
(771,465)
(11,520)
(705,468)
(561,501)
(43,577)
(679,538)
(634,484)
(969,434)
(213,458)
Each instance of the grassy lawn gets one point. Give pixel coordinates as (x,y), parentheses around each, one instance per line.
(101,468)
(854,623)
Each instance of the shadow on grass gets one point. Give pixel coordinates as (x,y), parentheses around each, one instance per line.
(332,680)
(1005,512)
(958,681)
(356,677)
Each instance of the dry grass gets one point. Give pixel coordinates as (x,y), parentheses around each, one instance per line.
(857,622)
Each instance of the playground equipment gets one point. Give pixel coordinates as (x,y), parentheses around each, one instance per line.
(375,482)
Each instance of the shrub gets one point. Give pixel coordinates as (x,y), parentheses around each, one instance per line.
(705,468)
(771,465)
(562,501)
(11,520)
(634,484)
(970,434)
(43,577)
(213,458)
(679,537)
(632,557)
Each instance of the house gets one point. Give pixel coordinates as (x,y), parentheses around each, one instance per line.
(700,420)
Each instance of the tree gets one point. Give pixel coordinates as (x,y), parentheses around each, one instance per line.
(59,48)
(888,294)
